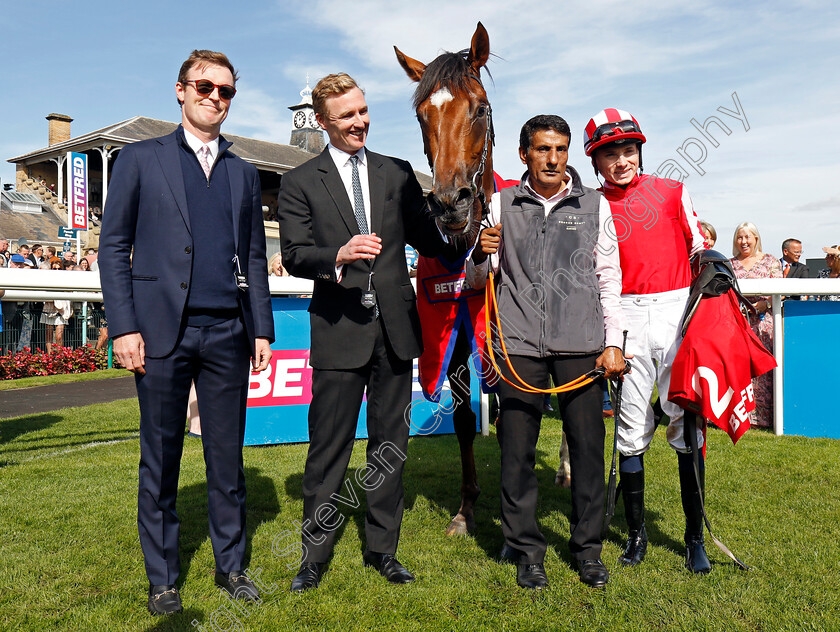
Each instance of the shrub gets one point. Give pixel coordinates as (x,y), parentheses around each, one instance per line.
(27,363)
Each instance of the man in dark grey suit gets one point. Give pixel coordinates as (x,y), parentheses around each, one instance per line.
(182,263)
(345,217)
(791,252)
(791,268)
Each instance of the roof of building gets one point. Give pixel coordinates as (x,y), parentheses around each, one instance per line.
(34,227)
(9,197)
(260,153)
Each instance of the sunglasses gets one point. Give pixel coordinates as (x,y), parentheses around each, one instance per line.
(205,88)
(609,129)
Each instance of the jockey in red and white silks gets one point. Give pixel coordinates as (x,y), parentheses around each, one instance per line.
(657,232)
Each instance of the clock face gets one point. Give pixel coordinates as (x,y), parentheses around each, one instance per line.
(312,121)
(300,119)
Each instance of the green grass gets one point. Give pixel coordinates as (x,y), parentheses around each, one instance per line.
(44,380)
(70,557)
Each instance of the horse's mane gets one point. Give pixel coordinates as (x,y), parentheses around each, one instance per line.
(448,70)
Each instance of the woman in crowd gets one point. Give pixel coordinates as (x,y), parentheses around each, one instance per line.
(749,262)
(55,315)
(709,233)
(97,309)
(832,260)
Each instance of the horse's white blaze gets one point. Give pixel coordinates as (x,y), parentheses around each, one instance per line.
(440,97)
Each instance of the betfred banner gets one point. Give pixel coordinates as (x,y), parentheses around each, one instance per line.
(77,190)
(279,397)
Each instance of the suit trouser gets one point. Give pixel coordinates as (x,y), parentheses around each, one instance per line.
(217,358)
(333,415)
(518,430)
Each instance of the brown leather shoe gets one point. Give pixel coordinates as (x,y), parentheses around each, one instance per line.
(388,567)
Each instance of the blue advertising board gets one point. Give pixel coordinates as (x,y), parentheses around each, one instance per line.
(278,398)
(812,341)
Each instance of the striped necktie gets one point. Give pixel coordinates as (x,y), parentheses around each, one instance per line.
(358,199)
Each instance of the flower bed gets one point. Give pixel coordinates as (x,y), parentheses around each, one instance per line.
(28,363)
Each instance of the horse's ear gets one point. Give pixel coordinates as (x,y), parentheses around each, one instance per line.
(413,68)
(479,47)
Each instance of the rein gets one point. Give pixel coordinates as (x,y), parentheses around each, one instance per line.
(477,189)
(490,302)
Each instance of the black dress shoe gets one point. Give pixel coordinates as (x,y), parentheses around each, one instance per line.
(593,573)
(509,555)
(388,567)
(237,584)
(309,576)
(531,576)
(164,600)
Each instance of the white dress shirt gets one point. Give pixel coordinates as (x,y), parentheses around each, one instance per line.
(196,144)
(345,170)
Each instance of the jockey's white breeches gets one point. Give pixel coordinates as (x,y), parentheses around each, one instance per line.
(653,325)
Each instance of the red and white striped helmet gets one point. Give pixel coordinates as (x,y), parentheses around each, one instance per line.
(610,126)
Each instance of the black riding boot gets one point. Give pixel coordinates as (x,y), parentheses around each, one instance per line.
(696,559)
(633,491)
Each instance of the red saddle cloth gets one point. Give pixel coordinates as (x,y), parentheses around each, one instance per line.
(716,362)
(446,303)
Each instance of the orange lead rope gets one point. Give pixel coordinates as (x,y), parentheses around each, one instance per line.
(490,300)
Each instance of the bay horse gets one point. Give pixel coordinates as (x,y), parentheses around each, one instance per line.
(455,120)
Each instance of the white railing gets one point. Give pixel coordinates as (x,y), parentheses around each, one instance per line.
(75,285)
(45,285)
(776,289)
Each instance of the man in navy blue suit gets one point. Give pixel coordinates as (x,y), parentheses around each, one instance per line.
(182,263)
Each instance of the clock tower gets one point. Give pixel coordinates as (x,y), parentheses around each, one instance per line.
(306,133)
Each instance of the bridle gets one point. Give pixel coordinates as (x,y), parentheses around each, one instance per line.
(476,185)
(476,181)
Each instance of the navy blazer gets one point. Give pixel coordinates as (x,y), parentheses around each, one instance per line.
(316,218)
(146,210)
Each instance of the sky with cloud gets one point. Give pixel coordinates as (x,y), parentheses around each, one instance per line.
(767,70)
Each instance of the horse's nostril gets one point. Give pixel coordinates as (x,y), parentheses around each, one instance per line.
(465,194)
(435,207)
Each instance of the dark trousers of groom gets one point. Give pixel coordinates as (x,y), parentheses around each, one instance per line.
(518,430)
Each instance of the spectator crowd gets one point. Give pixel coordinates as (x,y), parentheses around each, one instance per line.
(47,325)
